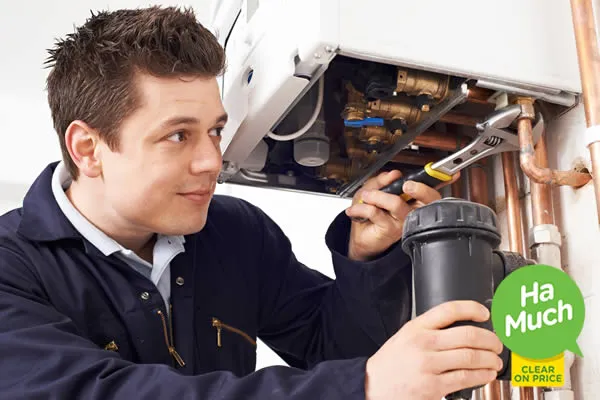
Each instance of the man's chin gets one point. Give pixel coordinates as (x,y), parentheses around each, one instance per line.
(186,227)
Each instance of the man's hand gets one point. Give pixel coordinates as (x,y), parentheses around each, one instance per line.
(385,213)
(424,361)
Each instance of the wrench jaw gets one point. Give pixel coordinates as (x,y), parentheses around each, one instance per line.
(500,119)
(493,138)
(510,139)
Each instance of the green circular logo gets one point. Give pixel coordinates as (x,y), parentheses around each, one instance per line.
(538,312)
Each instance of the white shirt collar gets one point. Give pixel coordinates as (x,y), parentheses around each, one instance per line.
(61,180)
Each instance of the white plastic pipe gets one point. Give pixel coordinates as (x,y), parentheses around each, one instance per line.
(310,122)
(545,249)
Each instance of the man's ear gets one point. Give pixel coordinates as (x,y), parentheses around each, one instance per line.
(83,144)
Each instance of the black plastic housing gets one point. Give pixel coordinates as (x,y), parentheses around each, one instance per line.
(453,246)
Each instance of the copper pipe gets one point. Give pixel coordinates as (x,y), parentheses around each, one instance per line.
(526,393)
(440,141)
(429,139)
(479,194)
(541,195)
(588,55)
(479,95)
(513,206)
(459,119)
(414,159)
(505,390)
(544,175)
(515,229)
(496,390)
(457,189)
(479,183)
(491,391)
(478,189)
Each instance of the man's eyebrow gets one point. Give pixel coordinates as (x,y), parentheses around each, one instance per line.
(177,120)
(222,118)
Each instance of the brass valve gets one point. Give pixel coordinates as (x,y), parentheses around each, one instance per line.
(353,148)
(394,110)
(374,133)
(419,83)
(339,169)
(356,107)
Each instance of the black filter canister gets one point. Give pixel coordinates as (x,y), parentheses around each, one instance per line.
(451,243)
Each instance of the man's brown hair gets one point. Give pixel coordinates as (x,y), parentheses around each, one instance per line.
(93,69)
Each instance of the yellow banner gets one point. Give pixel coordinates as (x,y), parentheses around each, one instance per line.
(528,372)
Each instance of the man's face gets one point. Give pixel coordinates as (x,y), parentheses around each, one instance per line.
(163,176)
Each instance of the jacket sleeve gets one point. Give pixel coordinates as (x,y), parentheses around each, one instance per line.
(43,356)
(308,318)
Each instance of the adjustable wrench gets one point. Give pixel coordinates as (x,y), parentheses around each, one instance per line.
(492,139)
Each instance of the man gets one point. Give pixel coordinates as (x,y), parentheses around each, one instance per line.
(123,277)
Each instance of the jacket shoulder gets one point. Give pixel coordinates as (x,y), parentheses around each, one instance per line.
(9,225)
(234,210)
(16,266)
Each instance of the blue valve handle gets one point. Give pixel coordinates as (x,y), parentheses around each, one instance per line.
(364,122)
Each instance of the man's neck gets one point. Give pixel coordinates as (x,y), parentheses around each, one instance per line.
(85,198)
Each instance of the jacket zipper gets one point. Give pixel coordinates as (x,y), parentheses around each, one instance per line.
(112,346)
(171,344)
(220,326)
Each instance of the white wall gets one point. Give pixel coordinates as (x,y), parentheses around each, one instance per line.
(11,196)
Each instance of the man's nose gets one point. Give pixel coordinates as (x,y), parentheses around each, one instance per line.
(207,157)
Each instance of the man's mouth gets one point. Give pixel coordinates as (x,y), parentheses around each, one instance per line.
(199,196)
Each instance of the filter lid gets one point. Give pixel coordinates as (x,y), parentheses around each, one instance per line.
(451,213)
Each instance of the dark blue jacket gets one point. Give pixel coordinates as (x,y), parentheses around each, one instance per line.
(76,324)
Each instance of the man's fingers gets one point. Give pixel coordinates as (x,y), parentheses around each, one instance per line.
(456,359)
(385,178)
(455,177)
(381,180)
(448,313)
(421,192)
(467,336)
(466,378)
(392,203)
(370,212)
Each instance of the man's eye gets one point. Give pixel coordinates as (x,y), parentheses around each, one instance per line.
(177,137)
(216,132)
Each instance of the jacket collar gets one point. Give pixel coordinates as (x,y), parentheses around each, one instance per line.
(42,218)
